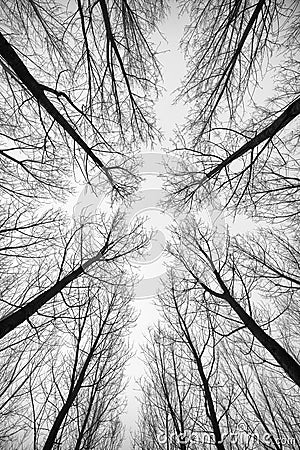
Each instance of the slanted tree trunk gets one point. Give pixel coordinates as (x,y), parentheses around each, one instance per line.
(284,359)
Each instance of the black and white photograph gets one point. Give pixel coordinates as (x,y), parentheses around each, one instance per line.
(149,225)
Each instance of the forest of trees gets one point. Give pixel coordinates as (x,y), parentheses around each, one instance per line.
(79,81)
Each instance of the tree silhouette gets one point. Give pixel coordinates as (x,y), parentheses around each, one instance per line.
(78,85)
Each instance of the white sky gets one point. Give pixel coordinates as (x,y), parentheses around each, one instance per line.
(168,115)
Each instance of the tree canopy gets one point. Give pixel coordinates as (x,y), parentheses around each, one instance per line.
(78,86)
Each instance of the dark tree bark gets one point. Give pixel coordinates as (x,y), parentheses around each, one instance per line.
(211,411)
(72,396)
(284,359)
(291,112)
(38,91)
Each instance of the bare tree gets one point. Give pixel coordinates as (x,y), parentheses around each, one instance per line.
(171,403)
(220,278)
(75,382)
(197,332)
(43,124)
(225,44)
(78,82)
(246,395)
(233,146)
(267,410)
(270,258)
(113,246)
(97,55)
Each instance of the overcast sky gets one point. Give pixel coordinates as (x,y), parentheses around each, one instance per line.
(168,115)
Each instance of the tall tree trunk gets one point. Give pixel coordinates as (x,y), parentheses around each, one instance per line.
(37,90)
(291,112)
(284,359)
(71,397)
(10,322)
(211,412)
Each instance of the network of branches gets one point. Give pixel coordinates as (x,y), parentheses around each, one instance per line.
(78,85)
